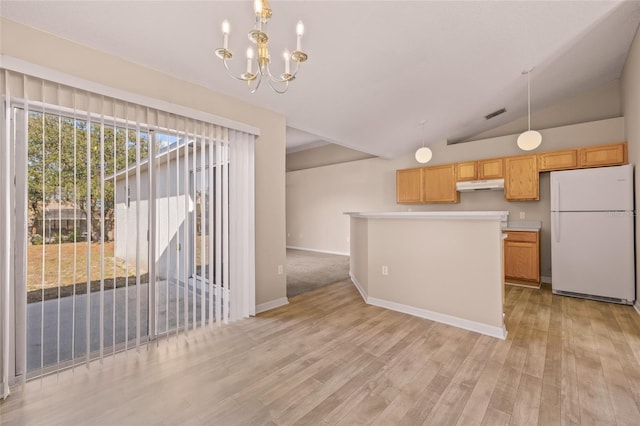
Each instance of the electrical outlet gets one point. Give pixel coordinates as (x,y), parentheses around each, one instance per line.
(385,270)
(522,215)
(280,269)
(348,239)
(288,235)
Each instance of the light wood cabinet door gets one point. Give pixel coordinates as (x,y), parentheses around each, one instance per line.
(521,181)
(603,155)
(409,186)
(467,171)
(491,169)
(522,257)
(440,184)
(558,160)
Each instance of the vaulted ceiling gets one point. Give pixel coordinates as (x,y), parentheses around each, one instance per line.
(376,68)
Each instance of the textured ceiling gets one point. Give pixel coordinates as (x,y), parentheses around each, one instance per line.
(375,68)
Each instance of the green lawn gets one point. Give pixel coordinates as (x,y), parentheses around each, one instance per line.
(59,264)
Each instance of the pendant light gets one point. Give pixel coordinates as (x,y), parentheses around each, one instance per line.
(424,154)
(530,139)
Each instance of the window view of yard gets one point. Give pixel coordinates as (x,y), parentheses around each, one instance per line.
(64,254)
(88,190)
(71,171)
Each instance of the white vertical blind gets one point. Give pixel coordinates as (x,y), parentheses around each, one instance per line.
(242,224)
(6,238)
(160,202)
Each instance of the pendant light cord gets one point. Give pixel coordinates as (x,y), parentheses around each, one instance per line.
(529,97)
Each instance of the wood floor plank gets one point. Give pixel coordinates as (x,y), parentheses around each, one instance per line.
(527,402)
(570,408)
(328,358)
(495,417)
(504,393)
(595,403)
(622,400)
(550,409)
(476,407)
(450,405)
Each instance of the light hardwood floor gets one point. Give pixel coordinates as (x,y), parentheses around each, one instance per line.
(327,358)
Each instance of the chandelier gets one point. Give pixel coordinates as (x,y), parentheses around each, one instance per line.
(258,36)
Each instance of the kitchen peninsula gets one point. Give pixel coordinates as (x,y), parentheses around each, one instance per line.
(443,266)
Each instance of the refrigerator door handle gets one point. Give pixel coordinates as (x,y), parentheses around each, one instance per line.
(556,225)
(556,198)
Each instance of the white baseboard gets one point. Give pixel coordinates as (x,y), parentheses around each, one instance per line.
(546,280)
(498,332)
(637,306)
(319,251)
(360,289)
(267,306)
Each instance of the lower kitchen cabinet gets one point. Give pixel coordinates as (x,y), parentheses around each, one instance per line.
(522,257)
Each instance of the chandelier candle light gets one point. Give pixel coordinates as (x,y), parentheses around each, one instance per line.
(531,139)
(258,36)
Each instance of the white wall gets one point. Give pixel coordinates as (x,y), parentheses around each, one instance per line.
(316,198)
(46,50)
(631,108)
(423,258)
(323,156)
(597,104)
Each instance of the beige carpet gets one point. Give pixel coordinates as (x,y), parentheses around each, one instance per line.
(308,270)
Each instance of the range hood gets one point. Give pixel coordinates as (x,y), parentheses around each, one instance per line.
(481,185)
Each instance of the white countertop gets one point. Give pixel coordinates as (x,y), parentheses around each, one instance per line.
(476,215)
(523,225)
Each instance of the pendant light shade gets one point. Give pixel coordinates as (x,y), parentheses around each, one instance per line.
(424,154)
(531,139)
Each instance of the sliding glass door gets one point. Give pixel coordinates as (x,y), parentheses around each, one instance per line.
(85,292)
(118,223)
(186,223)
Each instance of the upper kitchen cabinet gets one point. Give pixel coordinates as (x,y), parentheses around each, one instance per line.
(521,178)
(439,184)
(467,171)
(603,155)
(564,159)
(409,189)
(491,169)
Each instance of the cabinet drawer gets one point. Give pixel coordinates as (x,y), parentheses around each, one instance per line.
(558,160)
(603,155)
(466,171)
(522,236)
(490,169)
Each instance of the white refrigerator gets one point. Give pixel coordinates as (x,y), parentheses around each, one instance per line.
(592,233)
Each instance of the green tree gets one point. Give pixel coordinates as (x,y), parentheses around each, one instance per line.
(59,164)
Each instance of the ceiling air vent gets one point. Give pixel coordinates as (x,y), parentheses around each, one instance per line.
(495,113)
